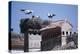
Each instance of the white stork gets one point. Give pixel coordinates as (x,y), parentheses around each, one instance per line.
(27,11)
(50,15)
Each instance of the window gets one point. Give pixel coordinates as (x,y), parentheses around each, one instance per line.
(70,33)
(67,33)
(63,32)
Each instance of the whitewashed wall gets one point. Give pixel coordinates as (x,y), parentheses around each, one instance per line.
(34,42)
(66,27)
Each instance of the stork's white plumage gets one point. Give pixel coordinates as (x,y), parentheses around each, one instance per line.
(27,11)
(49,14)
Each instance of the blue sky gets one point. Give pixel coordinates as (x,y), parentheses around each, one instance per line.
(62,11)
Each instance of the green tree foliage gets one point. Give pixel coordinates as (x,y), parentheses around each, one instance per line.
(33,23)
(23,25)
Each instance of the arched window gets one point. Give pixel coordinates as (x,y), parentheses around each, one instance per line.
(66,32)
(63,33)
(70,33)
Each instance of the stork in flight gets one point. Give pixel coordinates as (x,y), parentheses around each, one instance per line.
(27,11)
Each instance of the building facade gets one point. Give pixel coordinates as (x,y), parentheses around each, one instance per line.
(56,33)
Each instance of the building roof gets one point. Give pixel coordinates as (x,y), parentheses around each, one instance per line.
(58,23)
(63,21)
